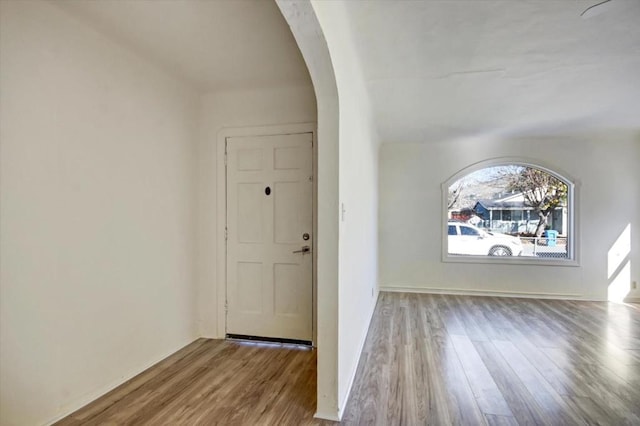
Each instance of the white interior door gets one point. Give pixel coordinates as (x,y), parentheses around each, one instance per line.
(269,224)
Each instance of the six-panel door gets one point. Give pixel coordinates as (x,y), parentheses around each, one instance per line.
(269,211)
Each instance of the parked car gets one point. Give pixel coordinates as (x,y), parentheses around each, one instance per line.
(466,239)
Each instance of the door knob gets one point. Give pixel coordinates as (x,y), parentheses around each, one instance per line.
(304,249)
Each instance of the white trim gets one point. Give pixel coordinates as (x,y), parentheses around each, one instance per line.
(506,260)
(103,390)
(221,209)
(631,300)
(572,217)
(343,404)
(494,293)
(326,416)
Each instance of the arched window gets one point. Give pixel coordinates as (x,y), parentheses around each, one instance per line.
(512,210)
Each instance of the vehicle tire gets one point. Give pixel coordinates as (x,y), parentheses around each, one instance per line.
(499,251)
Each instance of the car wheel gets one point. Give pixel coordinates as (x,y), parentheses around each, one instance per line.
(499,251)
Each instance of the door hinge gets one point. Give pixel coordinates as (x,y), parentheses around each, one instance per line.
(226,233)
(225,158)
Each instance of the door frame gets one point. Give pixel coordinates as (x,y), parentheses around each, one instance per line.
(221,212)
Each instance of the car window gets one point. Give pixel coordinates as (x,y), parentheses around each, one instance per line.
(465,230)
(452,230)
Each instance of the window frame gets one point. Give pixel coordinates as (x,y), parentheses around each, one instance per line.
(572,216)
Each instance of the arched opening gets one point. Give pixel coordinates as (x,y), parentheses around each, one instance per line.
(306,29)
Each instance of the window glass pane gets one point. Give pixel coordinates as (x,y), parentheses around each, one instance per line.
(524,210)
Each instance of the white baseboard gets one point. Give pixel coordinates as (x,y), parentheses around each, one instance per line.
(343,404)
(326,416)
(631,300)
(473,292)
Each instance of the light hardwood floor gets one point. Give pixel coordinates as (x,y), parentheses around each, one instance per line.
(440,360)
(214,382)
(428,359)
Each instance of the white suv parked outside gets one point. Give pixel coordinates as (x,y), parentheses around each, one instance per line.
(466,239)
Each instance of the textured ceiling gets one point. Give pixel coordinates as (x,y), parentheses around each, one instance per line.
(213,44)
(434,70)
(437,70)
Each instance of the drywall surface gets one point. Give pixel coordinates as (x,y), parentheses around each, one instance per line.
(97,224)
(221,111)
(358,189)
(308,34)
(602,164)
(215,45)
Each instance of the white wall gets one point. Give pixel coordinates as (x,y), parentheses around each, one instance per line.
(98,213)
(358,189)
(603,164)
(220,111)
(308,34)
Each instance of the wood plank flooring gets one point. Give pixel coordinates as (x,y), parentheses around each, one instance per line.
(214,382)
(428,360)
(442,360)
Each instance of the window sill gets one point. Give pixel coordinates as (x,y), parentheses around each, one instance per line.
(515,260)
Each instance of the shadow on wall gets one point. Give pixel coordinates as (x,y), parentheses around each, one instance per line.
(619,267)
